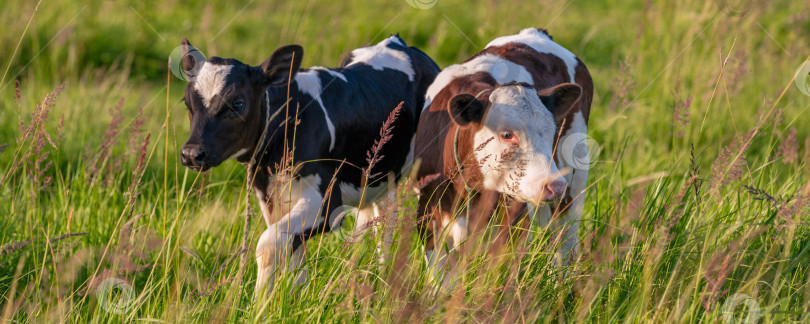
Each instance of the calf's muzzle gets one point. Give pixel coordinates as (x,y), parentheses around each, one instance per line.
(193,156)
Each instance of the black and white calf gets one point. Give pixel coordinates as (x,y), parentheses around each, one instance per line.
(328,118)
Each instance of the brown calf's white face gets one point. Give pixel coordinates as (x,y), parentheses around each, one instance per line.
(518,161)
(514,143)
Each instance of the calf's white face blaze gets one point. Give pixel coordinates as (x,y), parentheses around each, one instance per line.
(211,80)
(516,145)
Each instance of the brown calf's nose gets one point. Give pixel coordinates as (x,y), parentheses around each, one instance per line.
(554,190)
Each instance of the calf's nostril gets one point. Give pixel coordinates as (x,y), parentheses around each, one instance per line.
(199,157)
(554,190)
(550,192)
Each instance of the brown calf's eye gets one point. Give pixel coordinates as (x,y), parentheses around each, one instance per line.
(508,137)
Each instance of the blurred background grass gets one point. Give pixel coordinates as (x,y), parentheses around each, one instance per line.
(669,76)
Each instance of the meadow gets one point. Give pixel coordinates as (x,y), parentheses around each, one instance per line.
(698,206)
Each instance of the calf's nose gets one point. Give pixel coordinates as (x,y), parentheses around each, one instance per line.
(192,155)
(553,190)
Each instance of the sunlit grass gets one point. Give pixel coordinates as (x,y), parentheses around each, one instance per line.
(684,211)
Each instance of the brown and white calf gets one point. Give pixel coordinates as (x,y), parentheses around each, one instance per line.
(492,125)
(328,118)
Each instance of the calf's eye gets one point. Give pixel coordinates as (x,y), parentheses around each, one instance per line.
(238,106)
(507,136)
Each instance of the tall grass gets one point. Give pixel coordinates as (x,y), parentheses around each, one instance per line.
(698,201)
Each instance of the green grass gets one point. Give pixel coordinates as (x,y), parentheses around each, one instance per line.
(668,235)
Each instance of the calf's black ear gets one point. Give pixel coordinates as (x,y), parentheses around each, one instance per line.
(560,99)
(280,67)
(192,59)
(465,109)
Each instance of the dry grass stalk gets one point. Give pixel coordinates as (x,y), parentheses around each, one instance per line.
(735,68)
(373,156)
(40,116)
(793,215)
(103,156)
(762,195)
(245,229)
(211,284)
(35,157)
(680,115)
(17,94)
(622,86)
(716,274)
(694,172)
(126,259)
(135,132)
(10,248)
(137,172)
(806,158)
(424,181)
(789,149)
(731,163)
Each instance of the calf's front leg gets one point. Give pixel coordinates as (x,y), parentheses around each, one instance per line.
(565,226)
(449,236)
(381,216)
(283,242)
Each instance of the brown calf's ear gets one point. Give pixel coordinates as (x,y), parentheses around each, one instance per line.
(465,109)
(560,99)
(282,65)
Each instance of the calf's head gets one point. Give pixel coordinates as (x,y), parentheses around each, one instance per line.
(514,133)
(226,106)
